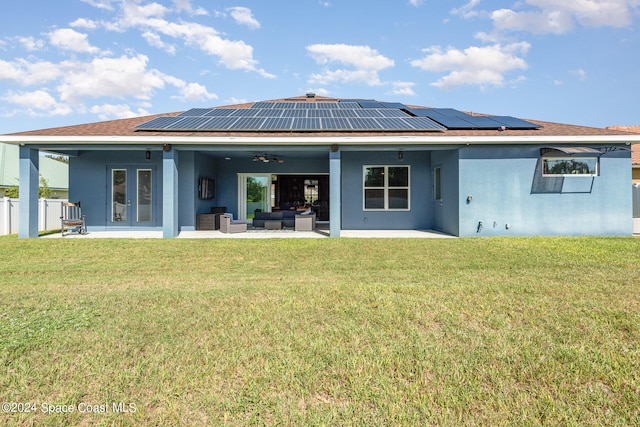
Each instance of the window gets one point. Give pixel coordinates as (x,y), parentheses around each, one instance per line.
(437,184)
(569,166)
(386,187)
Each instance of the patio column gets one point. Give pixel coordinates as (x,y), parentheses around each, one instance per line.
(335,207)
(28,185)
(170,226)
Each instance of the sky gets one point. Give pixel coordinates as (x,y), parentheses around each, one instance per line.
(69,62)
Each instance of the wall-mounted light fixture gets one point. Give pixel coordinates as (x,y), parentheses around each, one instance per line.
(166,147)
(147,155)
(400,155)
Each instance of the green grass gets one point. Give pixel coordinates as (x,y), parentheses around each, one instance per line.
(492,331)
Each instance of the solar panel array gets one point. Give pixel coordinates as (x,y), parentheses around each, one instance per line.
(345,115)
(454,119)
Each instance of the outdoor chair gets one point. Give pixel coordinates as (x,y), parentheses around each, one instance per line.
(229,225)
(72,219)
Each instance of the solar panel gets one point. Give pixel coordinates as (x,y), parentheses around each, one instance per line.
(350,105)
(188,123)
(452,122)
(365,124)
(158,123)
(295,113)
(424,123)
(264,104)
(273,123)
(270,112)
(219,123)
(319,113)
(514,123)
(390,112)
(306,124)
(369,104)
(221,112)
(196,112)
(397,105)
(335,124)
(394,124)
(344,112)
(245,112)
(247,123)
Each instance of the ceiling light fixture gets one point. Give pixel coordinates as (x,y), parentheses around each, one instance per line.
(266,159)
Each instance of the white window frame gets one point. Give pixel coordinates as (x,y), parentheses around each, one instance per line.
(386,188)
(575,173)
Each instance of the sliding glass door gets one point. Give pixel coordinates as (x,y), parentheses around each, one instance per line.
(254,193)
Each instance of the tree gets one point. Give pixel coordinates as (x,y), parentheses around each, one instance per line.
(44,192)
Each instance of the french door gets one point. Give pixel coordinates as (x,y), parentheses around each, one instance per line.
(131,195)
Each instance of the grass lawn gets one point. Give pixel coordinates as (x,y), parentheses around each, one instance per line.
(487,331)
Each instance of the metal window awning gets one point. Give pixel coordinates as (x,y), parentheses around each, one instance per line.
(571,150)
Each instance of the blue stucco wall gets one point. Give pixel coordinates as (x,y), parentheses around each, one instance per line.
(419,217)
(509,200)
(507,193)
(88,182)
(446,210)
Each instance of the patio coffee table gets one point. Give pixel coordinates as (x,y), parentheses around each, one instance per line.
(273,224)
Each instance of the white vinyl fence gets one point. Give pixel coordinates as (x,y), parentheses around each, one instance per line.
(48,215)
(636,208)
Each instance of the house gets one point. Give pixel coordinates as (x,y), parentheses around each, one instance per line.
(55,173)
(359,163)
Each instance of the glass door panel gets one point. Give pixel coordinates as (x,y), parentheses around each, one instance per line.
(258,190)
(144,200)
(119,195)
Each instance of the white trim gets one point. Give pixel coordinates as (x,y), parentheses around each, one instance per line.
(318,140)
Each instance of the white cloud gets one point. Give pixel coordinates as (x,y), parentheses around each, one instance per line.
(416,2)
(68,39)
(553,21)
(30,43)
(84,23)
(232,54)
(154,40)
(186,6)
(552,16)
(109,77)
(243,16)
(367,63)
(27,73)
(100,4)
(402,88)
(195,92)
(117,111)
(37,103)
(467,10)
(582,74)
(482,66)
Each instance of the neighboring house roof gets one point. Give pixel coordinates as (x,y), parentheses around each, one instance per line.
(56,173)
(635,149)
(123,131)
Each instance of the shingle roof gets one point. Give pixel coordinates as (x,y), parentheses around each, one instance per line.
(635,149)
(125,127)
